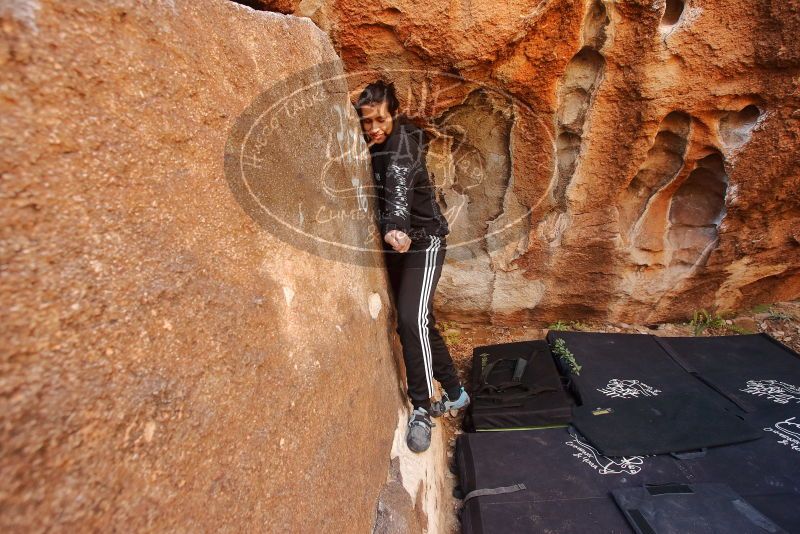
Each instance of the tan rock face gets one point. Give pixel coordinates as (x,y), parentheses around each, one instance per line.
(167,364)
(610,160)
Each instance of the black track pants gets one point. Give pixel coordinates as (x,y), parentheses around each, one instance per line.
(413,276)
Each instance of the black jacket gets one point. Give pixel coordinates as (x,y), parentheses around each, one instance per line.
(406,195)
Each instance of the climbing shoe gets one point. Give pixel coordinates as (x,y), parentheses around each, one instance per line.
(418,436)
(439,408)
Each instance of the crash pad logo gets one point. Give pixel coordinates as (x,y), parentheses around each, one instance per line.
(628,389)
(629,465)
(788,431)
(298,163)
(774,390)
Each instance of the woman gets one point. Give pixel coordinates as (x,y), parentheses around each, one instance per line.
(413,230)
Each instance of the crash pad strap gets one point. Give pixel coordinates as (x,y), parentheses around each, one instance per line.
(641,522)
(667,489)
(501,393)
(493,491)
(519,369)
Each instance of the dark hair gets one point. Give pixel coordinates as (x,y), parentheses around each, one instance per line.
(377,92)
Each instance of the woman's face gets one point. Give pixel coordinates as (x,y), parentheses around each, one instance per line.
(376,121)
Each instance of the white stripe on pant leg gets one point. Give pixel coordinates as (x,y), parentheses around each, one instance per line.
(421,315)
(419,321)
(428,287)
(430,266)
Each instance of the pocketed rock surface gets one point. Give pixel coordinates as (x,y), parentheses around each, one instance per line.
(613,161)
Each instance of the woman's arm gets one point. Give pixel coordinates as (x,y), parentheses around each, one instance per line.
(398,192)
(405,170)
(402,175)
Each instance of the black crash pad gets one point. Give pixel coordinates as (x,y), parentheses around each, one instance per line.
(691,509)
(637,400)
(764,466)
(765,471)
(629,366)
(527,517)
(783,508)
(567,482)
(546,403)
(754,371)
(662,424)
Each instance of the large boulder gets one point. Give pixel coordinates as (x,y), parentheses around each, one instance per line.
(169,363)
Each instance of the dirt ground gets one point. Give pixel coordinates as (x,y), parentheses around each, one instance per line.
(780,320)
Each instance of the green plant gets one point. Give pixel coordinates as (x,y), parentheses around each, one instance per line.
(559,326)
(561,350)
(702,319)
(779,316)
(772,313)
(450,332)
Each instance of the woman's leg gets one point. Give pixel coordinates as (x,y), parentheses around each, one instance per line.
(443,369)
(394,268)
(424,351)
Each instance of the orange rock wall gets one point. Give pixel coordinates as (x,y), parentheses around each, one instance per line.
(641,157)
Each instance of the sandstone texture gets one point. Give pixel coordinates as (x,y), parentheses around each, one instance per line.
(611,160)
(166,364)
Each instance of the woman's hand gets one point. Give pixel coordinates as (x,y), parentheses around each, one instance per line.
(399,241)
